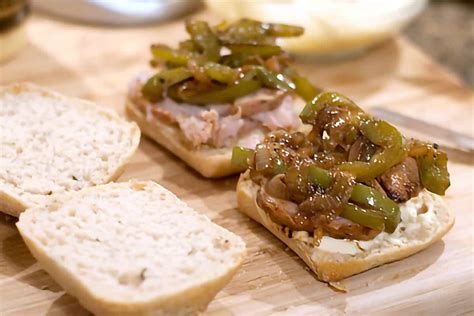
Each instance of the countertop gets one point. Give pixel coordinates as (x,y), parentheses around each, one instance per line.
(445,30)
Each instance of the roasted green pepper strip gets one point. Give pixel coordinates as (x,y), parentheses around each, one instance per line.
(383,134)
(365,217)
(364,196)
(310,111)
(167,54)
(206,41)
(434,171)
(154,87)
(188,46)
(368,197)
(278,165)
(319,176)
(240,156)
(263,51)
(220,72)
(251,31)
(270,79)
(245,31)
(238,60)
(242,87)
(284,30)
(303,87)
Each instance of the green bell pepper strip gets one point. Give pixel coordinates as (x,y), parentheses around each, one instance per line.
(303,87)
(324,99)
(319,176)
(278,166)
(240,156)
(154,87)
(284,30)
(220,72)
(251,31)
(263,51)
(204,39)
(188,46)
(167,54)
(244,86)
(238,60)
(364,196)
(383,134)
(270,79)
(368,197)
(434,171)
(365,217)
(244,31)
(432,165)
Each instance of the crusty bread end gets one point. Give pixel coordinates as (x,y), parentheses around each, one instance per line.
(333,266)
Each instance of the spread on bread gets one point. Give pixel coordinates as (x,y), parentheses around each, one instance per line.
(227,85)
(346,178)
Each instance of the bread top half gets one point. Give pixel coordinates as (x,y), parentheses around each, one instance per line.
(55,144)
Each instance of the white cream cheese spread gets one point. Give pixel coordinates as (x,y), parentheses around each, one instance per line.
(419,221)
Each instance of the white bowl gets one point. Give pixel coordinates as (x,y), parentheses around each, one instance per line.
(332,27)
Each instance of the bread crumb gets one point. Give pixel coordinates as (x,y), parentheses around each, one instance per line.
(338,286)
(423,209)
(138,186)
(142,274)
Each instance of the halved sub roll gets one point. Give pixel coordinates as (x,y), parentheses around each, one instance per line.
(221,88)
(351,195)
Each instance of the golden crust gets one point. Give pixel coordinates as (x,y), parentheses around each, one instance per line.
(330,267)
(210,163)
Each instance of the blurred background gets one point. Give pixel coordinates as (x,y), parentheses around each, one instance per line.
(334,29)
(445,30)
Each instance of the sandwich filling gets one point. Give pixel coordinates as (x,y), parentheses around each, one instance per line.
(226,85)
(242,122)
(347,177)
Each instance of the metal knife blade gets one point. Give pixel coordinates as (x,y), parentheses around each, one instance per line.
(463,141)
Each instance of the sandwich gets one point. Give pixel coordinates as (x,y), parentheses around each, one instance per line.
(351,194)
(53,144)
(225,86)
(131,249)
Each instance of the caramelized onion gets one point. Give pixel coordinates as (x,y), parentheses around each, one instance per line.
(262,158)
(325,207)
(277,188)
(343,228)
(281,211)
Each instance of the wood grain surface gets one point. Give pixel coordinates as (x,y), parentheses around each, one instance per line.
(96,63)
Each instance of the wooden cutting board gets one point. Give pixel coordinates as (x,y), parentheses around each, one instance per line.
(97,62)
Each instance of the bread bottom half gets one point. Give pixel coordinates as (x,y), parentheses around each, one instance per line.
(193,301)
(209,162)
(334,266)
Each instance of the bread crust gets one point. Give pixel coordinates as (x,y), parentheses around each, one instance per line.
(13,204)
(328,266)
(209,162)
